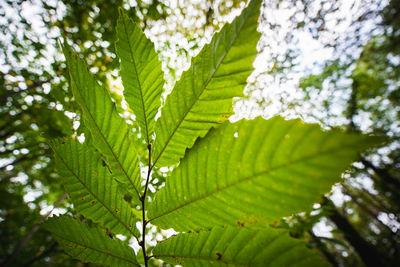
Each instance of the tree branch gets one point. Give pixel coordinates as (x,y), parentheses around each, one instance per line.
(18,160)
(41,255)
(321,246)
(3,98)
(383,173)
(367,253)
(352,108)
(35,228)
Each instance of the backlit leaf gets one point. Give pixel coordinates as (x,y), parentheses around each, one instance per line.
(89,243)
(93,190)
(202,98)
(253,173)
(237,246)
(141,73)
(109,131)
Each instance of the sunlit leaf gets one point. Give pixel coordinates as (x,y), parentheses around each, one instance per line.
(89,243)
(93,190)
(141,73)
(253,173)
(110,132)
(202,98)
(237,246)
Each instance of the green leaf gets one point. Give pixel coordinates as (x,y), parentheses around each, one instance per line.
(109,131)
(237,246)
(141,73)
(93,191)
(202,98)
(254,172)
(89,243)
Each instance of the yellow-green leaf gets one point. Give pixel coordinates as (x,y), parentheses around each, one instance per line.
(253,173)
(94,192)
(89,243)
(110,133)
(202,98)
(237,246)
(141,73)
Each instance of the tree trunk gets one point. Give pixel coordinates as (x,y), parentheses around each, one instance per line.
(367,253)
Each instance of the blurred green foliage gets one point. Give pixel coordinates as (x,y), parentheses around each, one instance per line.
(356,89)
(36,105)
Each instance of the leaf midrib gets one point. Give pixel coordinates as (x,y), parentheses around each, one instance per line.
(202,90)
(137,79)
(103,137)
(248,178)
(94,195)
(95,249)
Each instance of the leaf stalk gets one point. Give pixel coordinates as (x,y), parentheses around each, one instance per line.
(143,200)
